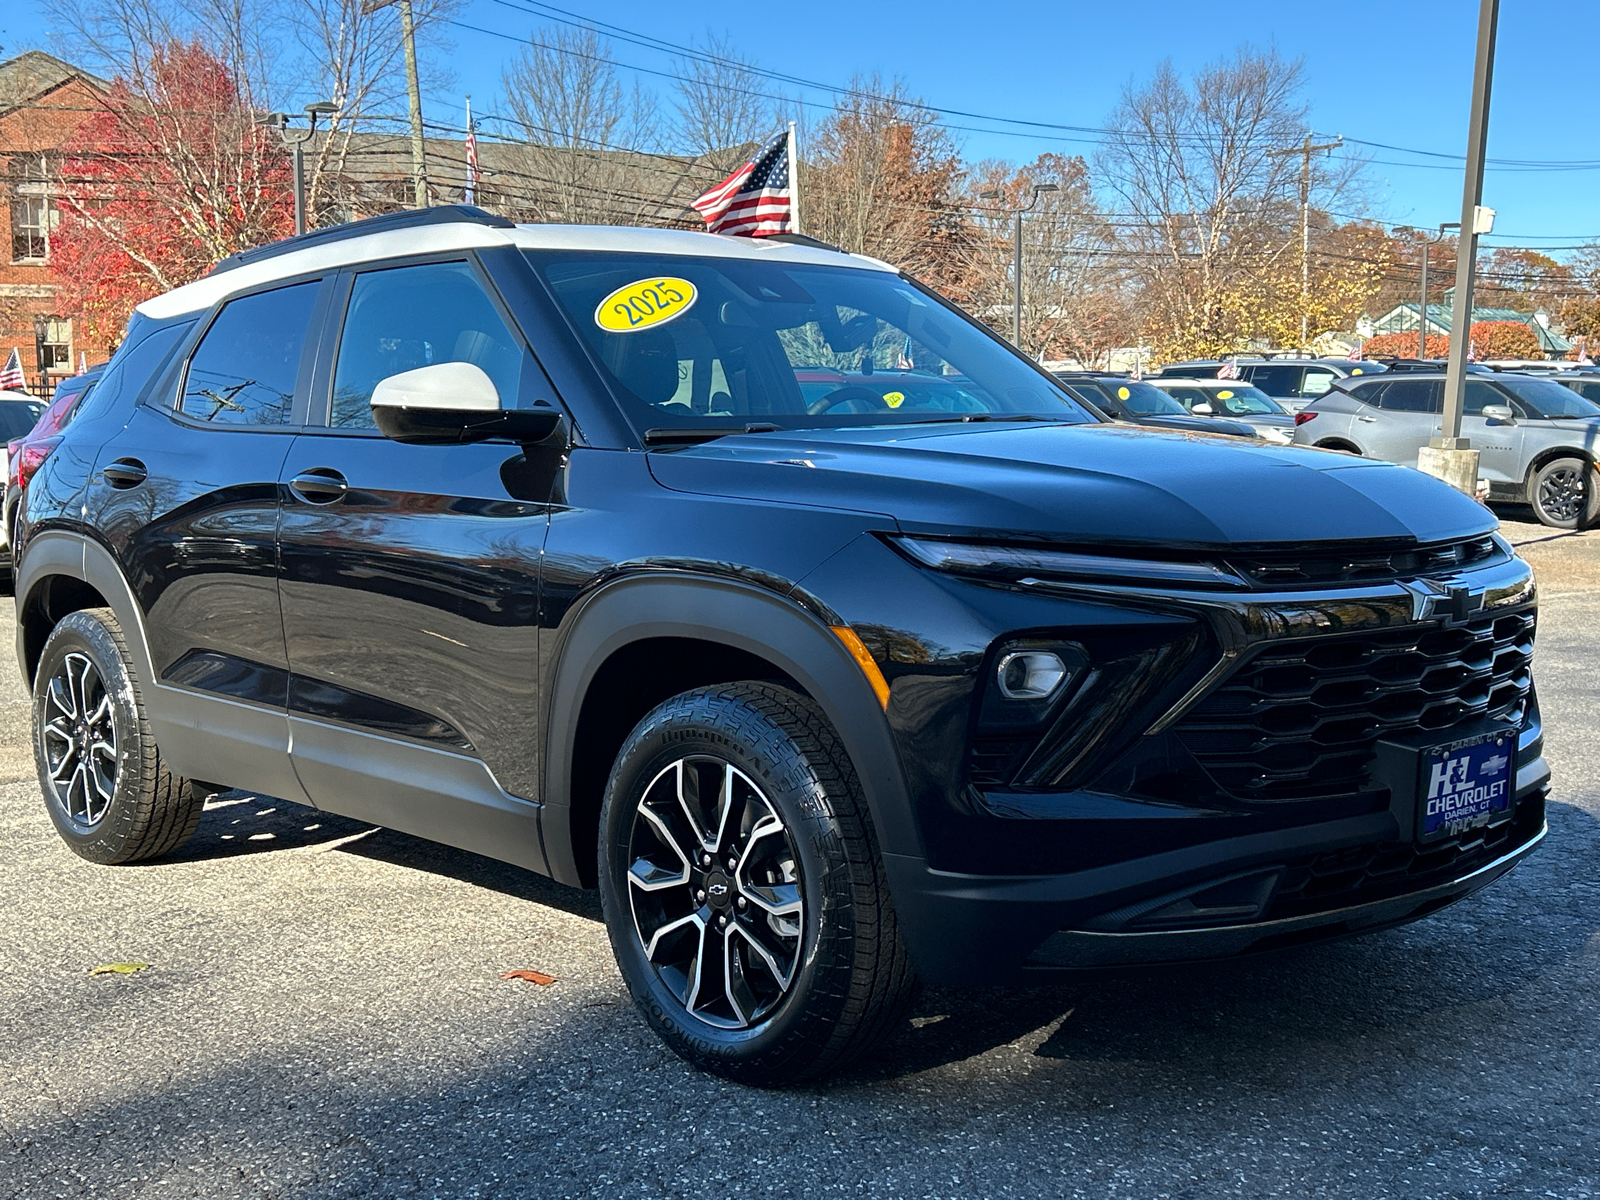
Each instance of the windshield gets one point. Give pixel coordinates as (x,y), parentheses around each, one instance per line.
(1547,398)
(1145,399)
(17,417)
(707,343)
(1241,401)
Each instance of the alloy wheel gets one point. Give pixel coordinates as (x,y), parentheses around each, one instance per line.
(80,741)
(715,890)
(1562,494)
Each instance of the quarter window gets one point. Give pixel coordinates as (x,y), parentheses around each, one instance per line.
(1276,380)
(245,368)
(402,318)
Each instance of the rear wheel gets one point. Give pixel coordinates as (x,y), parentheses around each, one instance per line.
(1565,494)
(107,791)
(742,888)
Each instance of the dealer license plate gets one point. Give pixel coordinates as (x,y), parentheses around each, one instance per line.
(1466,784)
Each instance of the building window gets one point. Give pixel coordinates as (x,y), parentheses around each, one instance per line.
(34,218)
(54,344)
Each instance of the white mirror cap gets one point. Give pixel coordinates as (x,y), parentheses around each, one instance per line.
(1202,409)
(450,387)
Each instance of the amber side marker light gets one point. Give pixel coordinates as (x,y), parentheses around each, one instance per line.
(869,668)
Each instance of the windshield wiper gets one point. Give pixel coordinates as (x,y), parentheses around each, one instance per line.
(969,417)
(709,433)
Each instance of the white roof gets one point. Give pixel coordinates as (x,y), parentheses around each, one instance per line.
(428,239)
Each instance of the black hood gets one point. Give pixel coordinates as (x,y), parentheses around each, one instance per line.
(1082,483)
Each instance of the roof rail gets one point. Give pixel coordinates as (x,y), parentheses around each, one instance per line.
(800,239)
(411,218)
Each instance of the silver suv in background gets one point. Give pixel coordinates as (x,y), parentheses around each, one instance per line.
(1536,439)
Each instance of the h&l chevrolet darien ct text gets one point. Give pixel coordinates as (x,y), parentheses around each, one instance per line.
(756,586)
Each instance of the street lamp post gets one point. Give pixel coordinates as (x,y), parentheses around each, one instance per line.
(280,121)
(1427,245)
(1016,254)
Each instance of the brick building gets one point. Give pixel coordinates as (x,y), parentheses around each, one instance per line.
(42,102)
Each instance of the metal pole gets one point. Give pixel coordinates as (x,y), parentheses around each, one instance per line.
(419,163)
(1305,242)
(794,180)
(1016,265)
(299,186)
(1422,328)
(1455,382)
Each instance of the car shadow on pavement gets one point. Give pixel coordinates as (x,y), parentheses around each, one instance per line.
(1276,1005)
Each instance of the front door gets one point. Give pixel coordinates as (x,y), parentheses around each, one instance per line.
(1498,443)
(410,583)
(187,496)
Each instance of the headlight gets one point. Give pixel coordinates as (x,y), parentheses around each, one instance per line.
(1021,562)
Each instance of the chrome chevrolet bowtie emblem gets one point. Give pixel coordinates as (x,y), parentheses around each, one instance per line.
(1432,599)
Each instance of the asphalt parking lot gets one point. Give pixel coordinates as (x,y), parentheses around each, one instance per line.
(323,1015)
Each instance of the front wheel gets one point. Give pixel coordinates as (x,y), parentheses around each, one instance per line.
(108,793)
(742,888)
(1565,494)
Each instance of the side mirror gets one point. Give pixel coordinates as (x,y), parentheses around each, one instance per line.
(1203,410)
(450,404)
(1499,412)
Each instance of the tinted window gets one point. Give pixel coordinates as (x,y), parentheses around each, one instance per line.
(402,318)
(1276,380)
(1146,400)
(1547,398)
(135,365)
(1589,391)
(1479,394)
(1242,401)
(1186,396)
(1414,395)
(16,418)
(694,343)
(1368,393)
(245,368)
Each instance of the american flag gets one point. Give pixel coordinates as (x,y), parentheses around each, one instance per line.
(754,200)
(11,377)
(1229,369)
(472,157)
(1357,352)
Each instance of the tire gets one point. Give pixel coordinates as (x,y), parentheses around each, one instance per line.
(1565,494)
(831,977)
(107,791)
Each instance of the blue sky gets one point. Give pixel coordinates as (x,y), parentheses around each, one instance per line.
(1398,73)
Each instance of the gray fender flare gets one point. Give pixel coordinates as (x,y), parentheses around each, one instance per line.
(749,619)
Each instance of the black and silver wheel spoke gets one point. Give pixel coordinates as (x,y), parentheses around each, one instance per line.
(1562,494)
(79,740)
(715,891)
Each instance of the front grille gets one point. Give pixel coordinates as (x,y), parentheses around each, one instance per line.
(1299,720)
(1362,874)
(1319,566)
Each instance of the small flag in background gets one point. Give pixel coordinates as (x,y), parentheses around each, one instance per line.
(754,201)
(1138,365)
(1357,352)
(1583,351)
(83,362)
(11,377)
(1229,369)
(471,189)
(1472,350)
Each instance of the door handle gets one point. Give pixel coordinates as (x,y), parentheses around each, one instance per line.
(125,473)
(319,485)
(1367,419)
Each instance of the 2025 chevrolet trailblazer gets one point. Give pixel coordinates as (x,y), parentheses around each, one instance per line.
(753,584)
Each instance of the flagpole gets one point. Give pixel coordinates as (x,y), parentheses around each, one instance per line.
(794,180)
(471,192)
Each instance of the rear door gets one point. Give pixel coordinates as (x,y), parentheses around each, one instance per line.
(1407,417)
(187,497)
(410,577)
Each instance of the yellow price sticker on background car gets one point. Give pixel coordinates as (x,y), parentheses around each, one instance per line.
(1224,394)
(894,399)
(1123,393)
(645,304)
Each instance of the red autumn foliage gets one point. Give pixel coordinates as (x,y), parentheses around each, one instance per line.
(1492,339)
(174,174)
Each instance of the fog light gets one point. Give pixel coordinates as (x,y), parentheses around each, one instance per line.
(1030,674)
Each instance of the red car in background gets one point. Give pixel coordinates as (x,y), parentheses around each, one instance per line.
(26,452)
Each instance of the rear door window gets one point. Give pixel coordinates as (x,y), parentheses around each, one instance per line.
(1414,395)
(245,369)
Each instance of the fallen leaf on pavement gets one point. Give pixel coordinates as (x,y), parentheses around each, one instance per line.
(538,977)
(118,968)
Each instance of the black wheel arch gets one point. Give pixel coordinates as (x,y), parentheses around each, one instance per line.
(744,629)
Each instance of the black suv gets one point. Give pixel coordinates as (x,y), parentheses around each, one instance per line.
(530,540)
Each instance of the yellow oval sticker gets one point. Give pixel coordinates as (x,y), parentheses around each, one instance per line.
(1123,393)
(645,304)
(1356,371)
(1224,394)
(894,399)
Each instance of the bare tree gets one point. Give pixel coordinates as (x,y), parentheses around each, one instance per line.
(583,132)
(722,106)
(1211,198)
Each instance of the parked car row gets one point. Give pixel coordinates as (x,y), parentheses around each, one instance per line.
(31,429)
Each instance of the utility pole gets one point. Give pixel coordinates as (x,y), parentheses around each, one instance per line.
(408,44)
(1475,219)
(1016,254)
(1427,245)
(1306,151)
